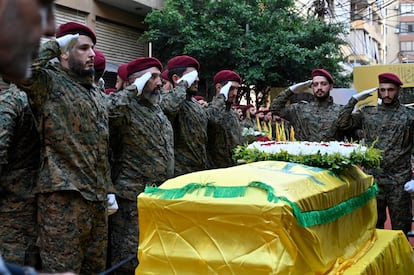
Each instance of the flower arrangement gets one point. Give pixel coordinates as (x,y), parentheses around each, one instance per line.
(333,155)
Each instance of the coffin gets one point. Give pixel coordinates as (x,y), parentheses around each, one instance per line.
(267,217)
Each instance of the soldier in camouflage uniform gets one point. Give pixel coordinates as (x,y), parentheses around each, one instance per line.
(141,138)
(224,130)
(312,121)
(249,120)
(188,118)
(99,64)
(390,126)
(122,77)
(74,176)
(19,164)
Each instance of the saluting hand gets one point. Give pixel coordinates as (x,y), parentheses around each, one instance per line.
(300,87)
(141,81)
(189,78)
(67,41)
(225,90)
(364,94)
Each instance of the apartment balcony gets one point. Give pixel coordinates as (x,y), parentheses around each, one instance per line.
(374,30)
(361,59)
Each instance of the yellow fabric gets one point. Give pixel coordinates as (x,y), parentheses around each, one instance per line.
(391,254)
(199,234)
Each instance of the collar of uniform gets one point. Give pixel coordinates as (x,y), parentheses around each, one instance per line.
(327,102)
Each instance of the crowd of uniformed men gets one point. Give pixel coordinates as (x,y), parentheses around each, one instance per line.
(73,157)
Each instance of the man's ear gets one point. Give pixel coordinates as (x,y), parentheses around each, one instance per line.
(65,55)
(175,78)
(218,88)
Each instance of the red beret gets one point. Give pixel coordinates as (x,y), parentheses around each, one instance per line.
(226,75)
(199,97)
(248,106)
(164,74)
(183,61)
(143,63)
(110,91)
(74,28)
(99,61)
(322,72)
(389,78)
(122,72)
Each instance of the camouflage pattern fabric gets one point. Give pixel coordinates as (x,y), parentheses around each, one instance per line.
(19,162)
(399,206)
(18,233)
(313,121)
(142,144)
(72,233)
(189,120)
(73,121)
(73,124)
(124,236)
(224,133)
(391,127)
(249,123)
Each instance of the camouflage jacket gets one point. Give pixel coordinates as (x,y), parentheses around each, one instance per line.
(73,123)
(189,120)
(391,127)
(142,143)
(312,121)
(224,133)
(19,150)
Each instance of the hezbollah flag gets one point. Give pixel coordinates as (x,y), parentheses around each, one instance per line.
(269,217)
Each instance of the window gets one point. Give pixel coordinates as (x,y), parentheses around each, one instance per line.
(406,27)
(407,46)
(407,9)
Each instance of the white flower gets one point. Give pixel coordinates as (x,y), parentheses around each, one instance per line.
(307,148)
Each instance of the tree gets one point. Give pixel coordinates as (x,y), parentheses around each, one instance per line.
(267,42)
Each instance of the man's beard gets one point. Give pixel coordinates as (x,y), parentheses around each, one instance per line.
(388,103)
(79,68)
(153,96)
(322,98)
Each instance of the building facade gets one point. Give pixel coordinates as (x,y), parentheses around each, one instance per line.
(404,30)
(118,24)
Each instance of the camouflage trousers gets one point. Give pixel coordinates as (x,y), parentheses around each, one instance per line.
(72,233)
(18,233)
(124,235)
(399,206)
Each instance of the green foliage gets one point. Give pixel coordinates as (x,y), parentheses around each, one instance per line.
(266,42)
(336,162)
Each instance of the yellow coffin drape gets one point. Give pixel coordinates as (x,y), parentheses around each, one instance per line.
(267,217)
(390,254)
